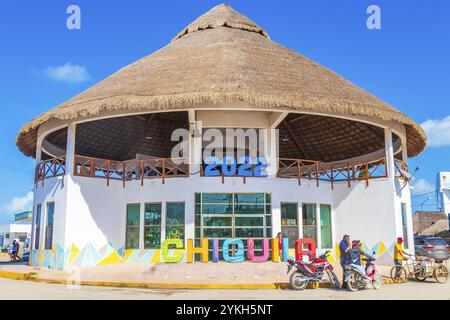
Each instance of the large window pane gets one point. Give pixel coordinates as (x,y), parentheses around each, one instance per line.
(132,237)
(249,198)
(249,232)
(289,222)
(249,221)
(325,226)
(152,226)
(404,226)
(175,220)
(217,209)
(217,221)
(37,226)
(309,221)
(49,226)
(133,225)
(133,214)
(249,209)
(217,198)
(217,232)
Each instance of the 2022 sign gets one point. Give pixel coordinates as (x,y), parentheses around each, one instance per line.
(244,167)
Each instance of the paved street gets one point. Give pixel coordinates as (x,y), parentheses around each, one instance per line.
(12,289)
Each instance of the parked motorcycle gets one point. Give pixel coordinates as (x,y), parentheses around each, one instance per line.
(359,277)
(310,272)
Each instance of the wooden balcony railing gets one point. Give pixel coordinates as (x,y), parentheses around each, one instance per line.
(165,168)
(401,169)
(50,168)
(131,170)
(336,172)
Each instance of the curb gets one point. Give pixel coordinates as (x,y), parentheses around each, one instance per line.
(33,277)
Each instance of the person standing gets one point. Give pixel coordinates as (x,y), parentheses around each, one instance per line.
(399,255)
(280,245)
(344,252)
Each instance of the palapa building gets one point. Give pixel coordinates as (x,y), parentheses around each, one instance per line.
(108,189)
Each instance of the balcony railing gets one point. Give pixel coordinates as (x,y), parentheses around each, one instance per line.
(165,168)
(50,168)
(336,172)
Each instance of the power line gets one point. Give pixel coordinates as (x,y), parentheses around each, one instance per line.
(424,194)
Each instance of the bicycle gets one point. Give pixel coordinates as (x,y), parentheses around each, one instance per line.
(420,270)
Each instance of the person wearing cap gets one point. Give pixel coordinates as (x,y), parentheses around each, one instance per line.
(399,254)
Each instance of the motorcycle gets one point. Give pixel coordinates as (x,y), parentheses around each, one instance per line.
(358,277)
(310,272)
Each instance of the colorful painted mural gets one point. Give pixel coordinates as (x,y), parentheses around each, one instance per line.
(172,252)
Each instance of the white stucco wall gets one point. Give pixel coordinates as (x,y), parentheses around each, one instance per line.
(94,213)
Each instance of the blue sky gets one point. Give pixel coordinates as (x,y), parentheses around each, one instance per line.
(42,63)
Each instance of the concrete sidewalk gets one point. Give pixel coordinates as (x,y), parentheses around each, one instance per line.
(244,275)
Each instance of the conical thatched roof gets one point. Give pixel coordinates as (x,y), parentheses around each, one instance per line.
(224,57)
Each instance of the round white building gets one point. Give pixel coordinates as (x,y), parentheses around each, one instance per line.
(108,188)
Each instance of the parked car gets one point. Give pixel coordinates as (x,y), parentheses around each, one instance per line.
(432,247)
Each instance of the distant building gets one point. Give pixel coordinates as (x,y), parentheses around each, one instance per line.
(20,229)
(424,220)
(444,192)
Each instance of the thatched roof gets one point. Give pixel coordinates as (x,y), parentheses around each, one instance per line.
(224,57)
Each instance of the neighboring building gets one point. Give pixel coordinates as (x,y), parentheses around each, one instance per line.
(444,192)
(20,229)
(423,220)
(23,217)
(108,189)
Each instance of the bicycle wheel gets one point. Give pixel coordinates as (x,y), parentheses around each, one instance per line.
(419,273)
(440,274)
(398,274)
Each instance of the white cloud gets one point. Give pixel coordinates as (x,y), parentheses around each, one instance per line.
(67,73)
(438,132)
(422,186)
(18,204)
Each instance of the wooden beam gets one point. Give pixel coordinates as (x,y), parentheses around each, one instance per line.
(276,118)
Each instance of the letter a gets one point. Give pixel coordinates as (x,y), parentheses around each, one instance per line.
(74,20)
(374,20)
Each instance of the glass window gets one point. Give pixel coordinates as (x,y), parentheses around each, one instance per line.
(404,226)
(217,221)
(249,221)
(133,225)
(152,226)
(249,233)
(48,244)
(217,209)
(217,198)
(249,209)
(37,226)
(233,215)
(249,198)
(289,222)
(309,221)
(175,220)
(325,227)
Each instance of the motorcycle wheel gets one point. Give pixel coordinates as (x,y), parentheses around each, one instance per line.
(440,274)
(298,281)
(334,279)
(352,282)
(377,281)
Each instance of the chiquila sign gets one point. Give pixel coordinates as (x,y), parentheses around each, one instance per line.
(172,250)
